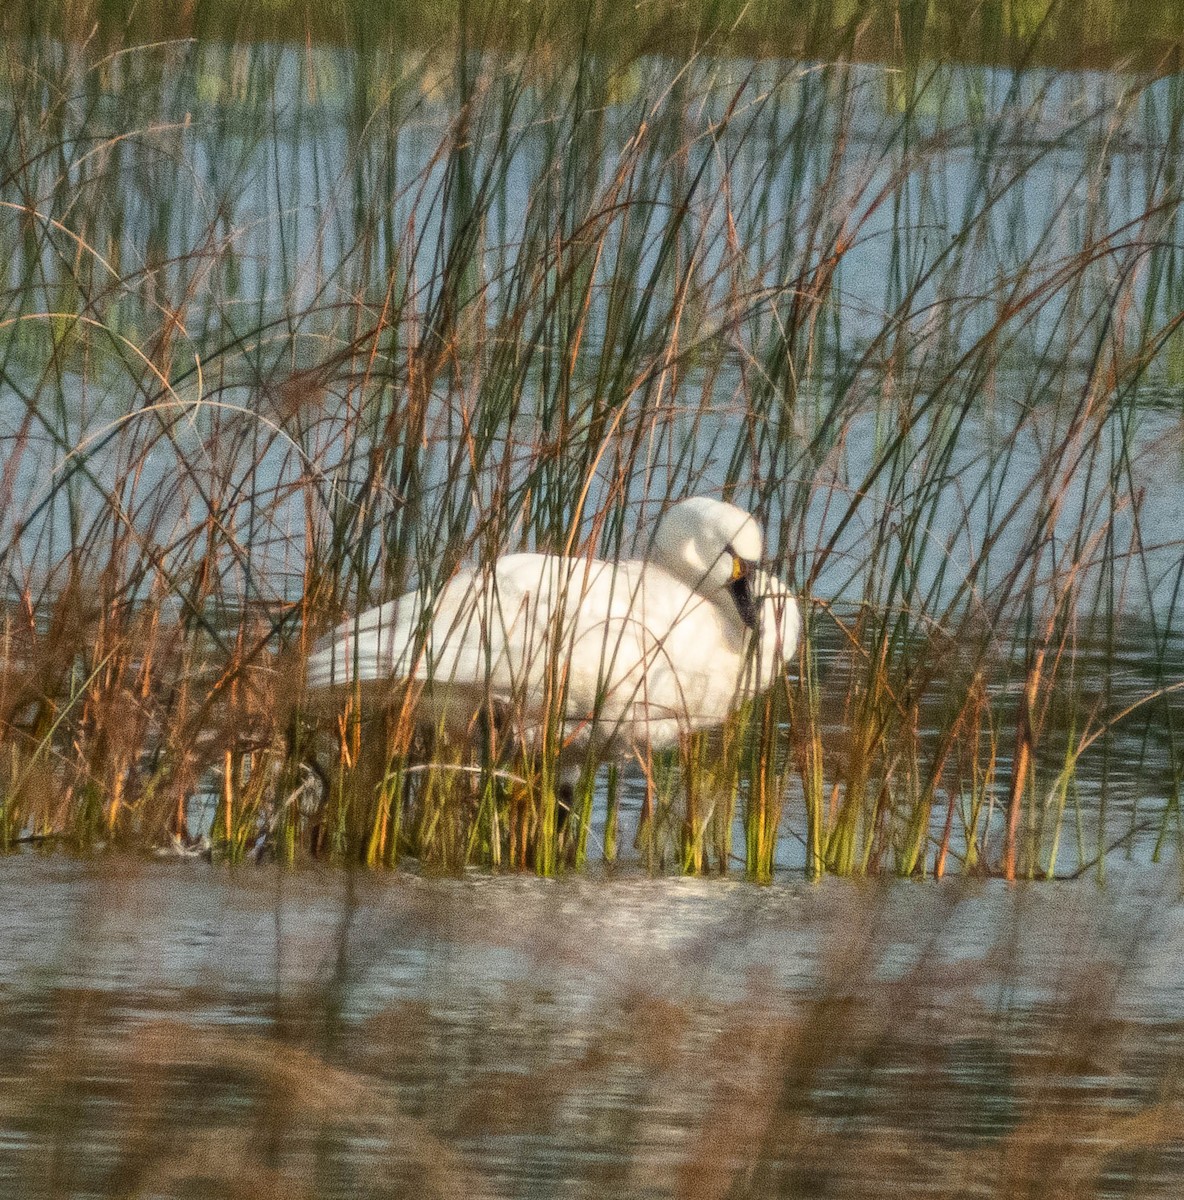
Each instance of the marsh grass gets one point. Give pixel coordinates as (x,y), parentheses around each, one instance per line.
(1098,35)
(289,331)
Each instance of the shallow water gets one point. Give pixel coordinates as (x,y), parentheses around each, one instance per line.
(173,1029)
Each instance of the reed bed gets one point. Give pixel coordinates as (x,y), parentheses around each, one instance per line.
(287,329)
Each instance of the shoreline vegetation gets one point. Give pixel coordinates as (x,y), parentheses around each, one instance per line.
(285,332)
(1141,35)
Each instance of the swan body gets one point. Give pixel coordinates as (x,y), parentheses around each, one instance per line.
(633,654)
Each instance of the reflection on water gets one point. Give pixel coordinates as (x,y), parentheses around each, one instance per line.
(177,1030)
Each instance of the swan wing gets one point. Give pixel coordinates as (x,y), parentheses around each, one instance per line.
(494,628)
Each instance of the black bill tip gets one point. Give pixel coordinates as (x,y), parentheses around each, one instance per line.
(742,596)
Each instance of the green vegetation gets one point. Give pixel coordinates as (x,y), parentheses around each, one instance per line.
(1086,33)
(286,329)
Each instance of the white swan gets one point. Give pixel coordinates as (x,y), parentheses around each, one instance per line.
(633,653)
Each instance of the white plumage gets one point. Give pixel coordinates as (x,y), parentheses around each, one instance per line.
(632,653)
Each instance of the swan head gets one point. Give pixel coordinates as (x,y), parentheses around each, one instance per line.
(713,547)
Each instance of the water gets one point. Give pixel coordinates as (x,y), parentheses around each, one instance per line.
(173,1029)
(272,191)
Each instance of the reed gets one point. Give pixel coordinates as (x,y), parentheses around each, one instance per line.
(287,331)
